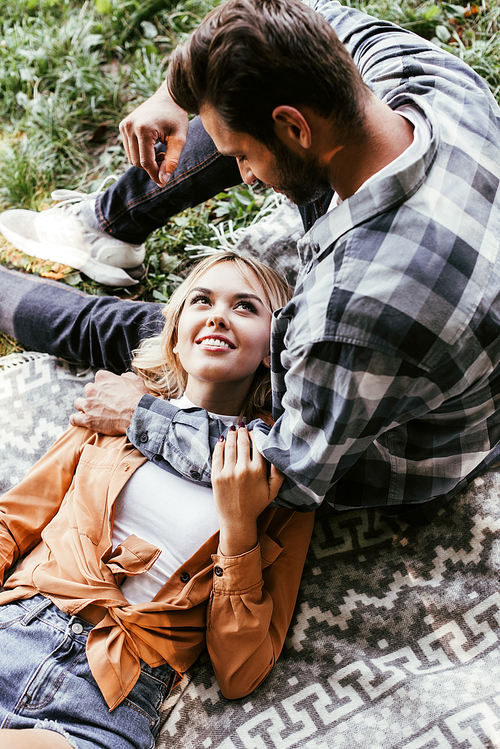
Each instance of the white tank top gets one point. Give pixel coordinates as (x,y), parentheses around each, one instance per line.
(174,514)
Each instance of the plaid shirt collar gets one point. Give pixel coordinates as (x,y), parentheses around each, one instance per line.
(369,201)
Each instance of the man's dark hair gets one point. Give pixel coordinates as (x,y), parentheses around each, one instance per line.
(249,56)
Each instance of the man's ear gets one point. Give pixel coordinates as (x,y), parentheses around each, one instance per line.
(291,127)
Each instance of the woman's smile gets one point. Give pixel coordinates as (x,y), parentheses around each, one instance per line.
(215,343)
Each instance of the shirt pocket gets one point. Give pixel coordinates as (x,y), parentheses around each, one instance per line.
(88,497)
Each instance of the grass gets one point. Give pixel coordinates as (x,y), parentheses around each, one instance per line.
(71,70)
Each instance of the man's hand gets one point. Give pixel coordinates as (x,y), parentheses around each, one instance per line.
(109,403)
(157,119)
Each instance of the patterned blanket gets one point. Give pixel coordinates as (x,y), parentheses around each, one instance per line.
(395,641)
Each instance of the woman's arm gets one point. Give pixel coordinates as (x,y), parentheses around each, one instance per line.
(256,575)
(26,509)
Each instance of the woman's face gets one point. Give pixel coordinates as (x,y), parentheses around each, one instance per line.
(223,334)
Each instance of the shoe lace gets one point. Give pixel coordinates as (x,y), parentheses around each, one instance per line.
(67,197)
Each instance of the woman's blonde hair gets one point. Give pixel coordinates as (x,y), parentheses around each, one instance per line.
(155,360)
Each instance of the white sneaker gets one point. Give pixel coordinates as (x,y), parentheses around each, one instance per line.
(61,234)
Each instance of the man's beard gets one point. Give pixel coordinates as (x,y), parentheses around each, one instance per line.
(301,180)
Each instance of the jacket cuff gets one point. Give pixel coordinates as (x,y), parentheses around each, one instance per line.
(233,575)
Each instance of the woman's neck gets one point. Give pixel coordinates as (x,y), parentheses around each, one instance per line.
(219,398)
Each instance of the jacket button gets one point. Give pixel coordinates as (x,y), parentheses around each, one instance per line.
(185,577)
(195,475)
(218,571)
(143,437)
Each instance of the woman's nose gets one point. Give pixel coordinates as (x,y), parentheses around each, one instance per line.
(217,320)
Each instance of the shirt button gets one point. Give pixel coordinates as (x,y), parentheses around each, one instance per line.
(143,437)
(218,571)
(185,577)
(77,628)
(195,475)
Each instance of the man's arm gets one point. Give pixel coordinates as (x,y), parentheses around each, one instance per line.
(338,399)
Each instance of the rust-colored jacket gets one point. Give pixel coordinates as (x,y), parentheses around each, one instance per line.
(239,607)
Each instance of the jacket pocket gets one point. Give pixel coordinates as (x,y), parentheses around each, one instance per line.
(88,500)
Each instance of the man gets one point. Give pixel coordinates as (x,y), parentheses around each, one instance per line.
(386,360)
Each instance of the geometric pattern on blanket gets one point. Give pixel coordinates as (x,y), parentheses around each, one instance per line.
(395,641)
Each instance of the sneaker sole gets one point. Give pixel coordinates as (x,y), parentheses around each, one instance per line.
(28,242)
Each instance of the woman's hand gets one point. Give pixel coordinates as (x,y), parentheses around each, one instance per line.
(242,490)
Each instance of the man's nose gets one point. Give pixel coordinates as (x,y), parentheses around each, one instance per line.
(247,175)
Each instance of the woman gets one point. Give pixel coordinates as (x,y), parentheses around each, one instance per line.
(129,570)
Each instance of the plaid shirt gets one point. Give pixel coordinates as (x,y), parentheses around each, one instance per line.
(386,362)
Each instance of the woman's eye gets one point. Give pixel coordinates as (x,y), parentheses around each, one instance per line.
(247,306)
(200,299)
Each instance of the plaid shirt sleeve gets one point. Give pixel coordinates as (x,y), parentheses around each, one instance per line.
(337,400)
(173,438)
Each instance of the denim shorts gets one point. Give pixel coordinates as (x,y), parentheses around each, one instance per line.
(45,682)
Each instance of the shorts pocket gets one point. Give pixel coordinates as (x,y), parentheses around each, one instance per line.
(11,613)
(148,695)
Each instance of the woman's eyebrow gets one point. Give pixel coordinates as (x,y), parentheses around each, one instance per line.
(202,290)
(240,295)
(245,295)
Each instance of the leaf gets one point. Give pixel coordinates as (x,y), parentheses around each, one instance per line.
(103,6)
(94,40)
(159,296)
(55,276)
(168,263)
(73,279)
(442,33)
(149,29)
(431,12)
(244,199)
(22,99)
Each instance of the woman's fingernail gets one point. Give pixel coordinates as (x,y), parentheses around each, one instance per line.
(221,438)
(232,428)
(241,424)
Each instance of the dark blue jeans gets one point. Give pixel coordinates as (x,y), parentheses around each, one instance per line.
(55,318)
